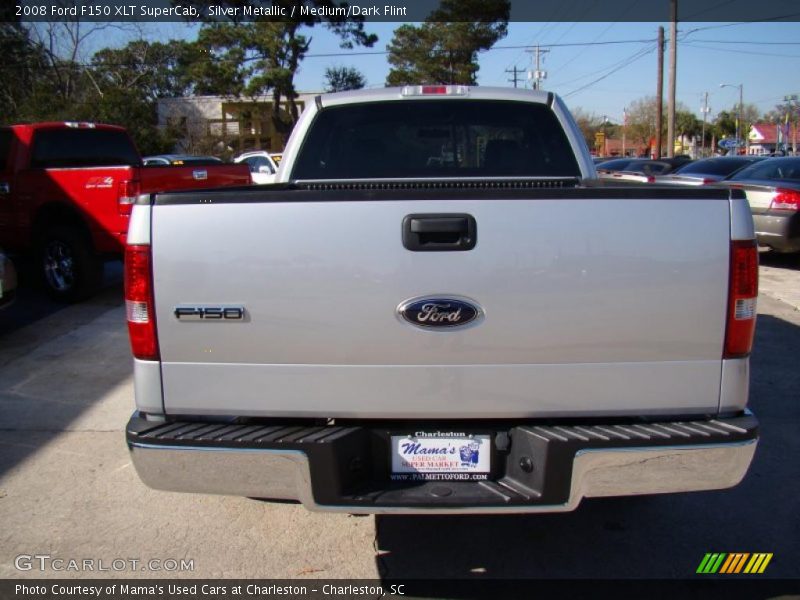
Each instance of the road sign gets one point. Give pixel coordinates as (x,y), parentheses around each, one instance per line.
(729,143)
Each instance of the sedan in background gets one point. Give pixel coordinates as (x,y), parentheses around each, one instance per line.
(707,170)
(772,187)
(609,165)
(640,170)
(262,167)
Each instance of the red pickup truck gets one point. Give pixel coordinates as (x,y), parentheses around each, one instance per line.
(66,192)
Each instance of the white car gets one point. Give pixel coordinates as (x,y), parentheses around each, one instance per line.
(262,168)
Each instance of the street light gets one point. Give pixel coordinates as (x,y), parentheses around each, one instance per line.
(741,106)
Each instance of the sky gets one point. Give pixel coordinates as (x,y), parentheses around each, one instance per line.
(603,78)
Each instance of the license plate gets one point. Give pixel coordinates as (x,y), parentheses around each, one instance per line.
(422,457)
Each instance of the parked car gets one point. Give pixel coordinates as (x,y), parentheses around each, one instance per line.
(388,334)
(66,192)
(641,170)
(262,167)
(609,165)
(180,160)
(707,170)
(8,280)
(772,187)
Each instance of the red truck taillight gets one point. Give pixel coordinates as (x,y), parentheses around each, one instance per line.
(785,200)
(128,191)
(742,296)
(139,306)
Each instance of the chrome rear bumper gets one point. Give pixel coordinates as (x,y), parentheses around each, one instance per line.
(286,473)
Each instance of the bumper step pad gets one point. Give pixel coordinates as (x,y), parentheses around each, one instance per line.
(533,462)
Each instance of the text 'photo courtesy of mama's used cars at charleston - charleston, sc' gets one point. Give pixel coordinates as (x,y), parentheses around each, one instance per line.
(449,313)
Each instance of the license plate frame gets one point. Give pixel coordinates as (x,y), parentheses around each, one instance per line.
(423,456)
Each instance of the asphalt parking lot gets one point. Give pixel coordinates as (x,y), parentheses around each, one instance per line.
(68,490)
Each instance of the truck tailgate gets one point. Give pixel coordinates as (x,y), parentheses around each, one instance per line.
(611,302)
(168,178)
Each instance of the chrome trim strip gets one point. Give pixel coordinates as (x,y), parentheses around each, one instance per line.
(284,474)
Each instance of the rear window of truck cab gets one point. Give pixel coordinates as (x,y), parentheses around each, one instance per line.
(82,147)
(435,139)
(5,148)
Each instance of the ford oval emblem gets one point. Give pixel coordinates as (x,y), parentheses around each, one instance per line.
(439,312)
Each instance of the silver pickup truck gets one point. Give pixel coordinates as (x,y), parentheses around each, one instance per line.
(438,308)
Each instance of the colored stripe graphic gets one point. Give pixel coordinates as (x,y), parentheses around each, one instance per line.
(734,563)
(711,562)
(728,562)
(758,563)
(738,564)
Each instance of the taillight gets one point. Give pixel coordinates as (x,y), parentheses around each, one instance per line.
(139,307)
(650,179)
(742,296)
(128,191)
(708,181)
(785,200)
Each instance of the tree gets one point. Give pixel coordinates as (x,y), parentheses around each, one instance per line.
(726,120)
(340,79)
(444,49)
(22,71)
(589,124)
(129,81)
(642,120)
(262,57)
(687,124)
(151,70)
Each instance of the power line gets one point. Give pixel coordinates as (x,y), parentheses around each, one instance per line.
(211,57)
(631,60)
(743,42)
(748,52)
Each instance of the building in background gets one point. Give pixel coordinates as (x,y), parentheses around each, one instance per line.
(222,125)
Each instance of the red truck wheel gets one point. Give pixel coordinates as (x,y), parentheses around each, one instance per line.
(70,271)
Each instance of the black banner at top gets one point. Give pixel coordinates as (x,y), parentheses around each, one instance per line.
(396,10)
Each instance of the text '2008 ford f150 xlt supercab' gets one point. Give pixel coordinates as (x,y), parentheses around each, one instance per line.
(439,309)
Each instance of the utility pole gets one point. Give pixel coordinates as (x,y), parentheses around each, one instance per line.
(538,74)
(673,64)
(515,78)
(792,101)
(624,127)
(659,92)
(705,110)
(740,118)
(791,121)
(746,134)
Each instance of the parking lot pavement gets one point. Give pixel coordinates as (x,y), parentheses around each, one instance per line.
(67,488)
(778,277)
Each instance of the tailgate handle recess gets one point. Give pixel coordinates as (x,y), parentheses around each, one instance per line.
(445,232)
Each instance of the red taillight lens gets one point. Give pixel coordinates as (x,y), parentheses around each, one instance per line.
(785,200)
(128,191)
(434,89)
(139,306)
(742,299)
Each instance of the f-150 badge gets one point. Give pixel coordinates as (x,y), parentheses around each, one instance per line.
(209,313)
(439,313)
